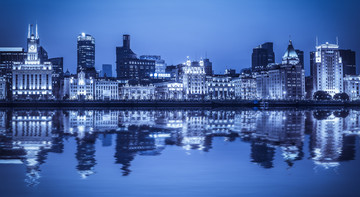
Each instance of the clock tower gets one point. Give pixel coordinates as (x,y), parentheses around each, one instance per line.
(32,45)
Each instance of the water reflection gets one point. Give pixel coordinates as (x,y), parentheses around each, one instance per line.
(26,137)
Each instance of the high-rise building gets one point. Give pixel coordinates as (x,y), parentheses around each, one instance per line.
(32,79)
(107,70)
(349,61)
(262,56)
(327,69)
(282,81)
(129,67)
(86,54)
(300,54)
(9,55)
(208,67)
(160,64)
(58,66)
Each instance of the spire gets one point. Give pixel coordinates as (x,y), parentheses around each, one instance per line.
(317,41)
(36,30)
(29,31)
(337,40)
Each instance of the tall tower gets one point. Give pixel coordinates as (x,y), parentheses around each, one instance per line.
(328,69)
(33,44)
(262,56)
(85,53)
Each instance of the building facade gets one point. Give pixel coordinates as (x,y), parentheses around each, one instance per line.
(169,91)
(221,87)
(245,87)
(328,69)
(81,87)
(352,86)
(129,67)
(348,58)
(137,92)
(32,79)
(86,54)
(106,89)
(193,78)
(262,56)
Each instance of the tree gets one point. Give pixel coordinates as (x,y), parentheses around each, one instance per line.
(322,95)
(341,96)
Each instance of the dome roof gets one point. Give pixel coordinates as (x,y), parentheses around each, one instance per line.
(290,56)
(290,52)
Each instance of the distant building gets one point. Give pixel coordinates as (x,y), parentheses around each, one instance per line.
(173,71)
(86,55)
(129,67)
(220,87)
(300,54)
(327,69)
(245,86)
(106,89)
(208,67)
(282,81)
(349,61)
(3,88)
(58,66)
(262,56)
(81,87)
(352,86)
(169,91)
(160,64)
(31,78)
(137,92)
(193,77)
(9,55)
(107,70)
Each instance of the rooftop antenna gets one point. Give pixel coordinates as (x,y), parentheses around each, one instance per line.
(317,41)
(337,40)
(205,54)
(36,31)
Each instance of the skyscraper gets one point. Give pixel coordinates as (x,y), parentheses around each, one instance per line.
(300,54)
(208,67)
(328,69)
(86,54)
(107,70)
(129,67)
(262,56)
(58,66)
(349,61)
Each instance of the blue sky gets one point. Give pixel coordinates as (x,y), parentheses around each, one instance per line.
(225,30)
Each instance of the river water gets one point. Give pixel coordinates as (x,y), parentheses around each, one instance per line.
(179,152)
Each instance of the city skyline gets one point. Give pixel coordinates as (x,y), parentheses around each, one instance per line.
(227,47)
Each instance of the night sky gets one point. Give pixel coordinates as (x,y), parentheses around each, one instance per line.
(225,30)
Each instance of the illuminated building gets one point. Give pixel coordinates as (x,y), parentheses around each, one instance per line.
(262,56)
(32,79)
(137,92)
(169,91)
(327,69)
(352,86)
(81,88)
(245,86)
(129,67)
(58,66)
(160,64)
(86,55)
(3,88)
(220,87)
(193,77)
(283,81)
(106,89)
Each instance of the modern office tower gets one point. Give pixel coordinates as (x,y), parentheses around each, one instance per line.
(107,70)
(301,56)
(160,64)
(349,61)
(31,78)
(283,81)
(352,86)
(129,67)
(208,67)
(328,69)
(9,55)
(262,56)
(86,54)
(193,78)
(58,66)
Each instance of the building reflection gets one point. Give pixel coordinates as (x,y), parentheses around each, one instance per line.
(27,137)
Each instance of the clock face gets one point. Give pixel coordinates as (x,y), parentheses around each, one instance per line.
(32,48)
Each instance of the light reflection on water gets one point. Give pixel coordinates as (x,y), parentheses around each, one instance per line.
(27,137)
